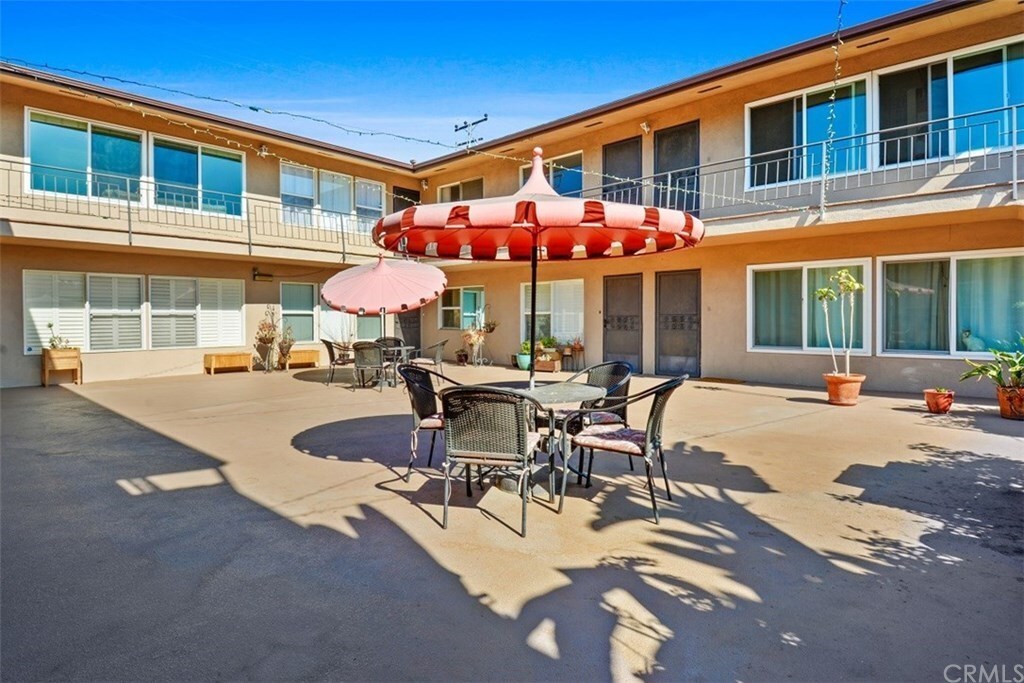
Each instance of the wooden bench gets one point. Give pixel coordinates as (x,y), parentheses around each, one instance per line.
(307,357)
(236,360)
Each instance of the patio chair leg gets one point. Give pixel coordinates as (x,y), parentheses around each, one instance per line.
(590,466)
(565,477)
(630,463)
(524,485)
(650,486)
(447,491)
(433,437)
(413,442)
(579,467)
(664,473)
(330,376)
(551,476)
(469,480)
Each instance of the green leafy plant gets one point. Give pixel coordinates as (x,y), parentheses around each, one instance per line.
(843,288)
(1006,369)
(524,348)
(548,342)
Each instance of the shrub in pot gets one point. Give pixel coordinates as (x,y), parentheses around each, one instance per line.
(843,388)
(1006,372)
(939,400)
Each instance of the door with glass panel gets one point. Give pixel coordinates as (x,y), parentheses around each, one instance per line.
(623,159)
(623,321)
(677,335)
(676,157)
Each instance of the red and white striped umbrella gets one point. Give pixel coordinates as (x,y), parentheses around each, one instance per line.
(388,286)
(536,223)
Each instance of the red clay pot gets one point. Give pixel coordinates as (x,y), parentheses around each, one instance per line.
(843,390)
(1011,402)
(939,402)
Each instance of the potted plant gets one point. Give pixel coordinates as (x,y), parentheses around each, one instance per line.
(939,400)
(266,335)
(1006,371)
(843,388)
(524,355)
(284,346)
(461,356)
(60,355)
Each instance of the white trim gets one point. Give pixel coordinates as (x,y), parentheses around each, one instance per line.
(314,312)
(867,320)
(460,183)
(952,353)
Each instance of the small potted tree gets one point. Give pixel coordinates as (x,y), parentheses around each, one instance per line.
(266,336)
(60,355)
(284,347)
(939,400)
(843,388)
(1006,371)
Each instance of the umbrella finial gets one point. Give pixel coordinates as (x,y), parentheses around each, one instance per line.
(537,183)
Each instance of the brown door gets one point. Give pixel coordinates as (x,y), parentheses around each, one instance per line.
(676,157)
(622,159)
(623,308)
(677,335)
(409,327)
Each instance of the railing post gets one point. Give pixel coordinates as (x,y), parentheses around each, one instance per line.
(128,186)
(824,177)
(1016,149)
(248,224)
(344,252)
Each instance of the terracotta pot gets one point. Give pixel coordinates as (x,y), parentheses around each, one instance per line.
(1011,402)
(939,402)
(843,390)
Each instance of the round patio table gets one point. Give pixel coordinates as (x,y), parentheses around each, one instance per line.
(561,393)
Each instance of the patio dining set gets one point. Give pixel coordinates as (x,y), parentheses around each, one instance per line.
(503,432)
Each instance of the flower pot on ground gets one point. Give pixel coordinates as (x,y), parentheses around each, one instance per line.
(523,361)
(939,400)
(1006,372)
(461,356)
(843,388)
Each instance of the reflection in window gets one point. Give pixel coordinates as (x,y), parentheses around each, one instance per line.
(190,177)
(298,305)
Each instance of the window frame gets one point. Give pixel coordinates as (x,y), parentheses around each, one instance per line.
(152,313)
(524,305)
(143,312)
(150,194)
(525,169)
(952,257)
(89,196)
(441,308)
(867,319)
(441,188)
(313,313)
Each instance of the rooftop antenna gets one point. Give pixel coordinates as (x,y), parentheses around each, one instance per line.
(469,126)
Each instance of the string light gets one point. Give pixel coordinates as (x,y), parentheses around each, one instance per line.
(263,152)
(830,134)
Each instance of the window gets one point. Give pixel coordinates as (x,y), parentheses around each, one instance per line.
(197,177)
(986,80)
(461,307)
(785,315)
(369,204)
(564,173)
(173,304)
(220,312)
(57,299)
(467,189)
(964,303)
(298,309)
(910,97)
(369,327)
(559,309)
(79,157)
(304,190)
(115,312)
(779,130)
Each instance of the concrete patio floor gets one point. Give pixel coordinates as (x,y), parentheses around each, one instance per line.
(256,527)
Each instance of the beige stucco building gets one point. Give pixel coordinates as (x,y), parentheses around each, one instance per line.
(138,227)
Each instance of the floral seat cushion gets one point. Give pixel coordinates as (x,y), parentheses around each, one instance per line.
(612,437)
(600,417)
(435,421)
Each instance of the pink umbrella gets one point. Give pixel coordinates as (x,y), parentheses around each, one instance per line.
(536,223)
(386,287)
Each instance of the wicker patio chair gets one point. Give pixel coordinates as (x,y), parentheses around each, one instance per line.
(419,382)
(337,360)
(617,438)
(432,355)
(368,357)
(493,429)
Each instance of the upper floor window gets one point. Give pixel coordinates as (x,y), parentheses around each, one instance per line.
(369,201)
(197,177)
(785,135)
(304,190)
(564,173)
(79,157)
(467,189)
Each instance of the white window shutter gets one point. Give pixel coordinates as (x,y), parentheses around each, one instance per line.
(173,305)
(57,298)
(71,308)
(115,312)
(220,312)
(566,309)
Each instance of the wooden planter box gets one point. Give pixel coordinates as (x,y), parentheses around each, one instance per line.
(307,357)
(548,365)
(60,360)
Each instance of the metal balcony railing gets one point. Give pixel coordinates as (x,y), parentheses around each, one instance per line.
(959,152)
(137,206)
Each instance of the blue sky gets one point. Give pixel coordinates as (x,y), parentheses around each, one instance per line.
(410,68)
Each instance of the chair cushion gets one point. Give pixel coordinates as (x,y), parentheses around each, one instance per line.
(605,418)
(422,361)
(615,438)
(435,421)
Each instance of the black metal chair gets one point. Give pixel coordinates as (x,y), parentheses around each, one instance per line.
(493,429)
(392,352)
(617,438)
(432,355)
(368,357)
(419,382)
(337,356)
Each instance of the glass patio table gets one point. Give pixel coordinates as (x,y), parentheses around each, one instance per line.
(563,393)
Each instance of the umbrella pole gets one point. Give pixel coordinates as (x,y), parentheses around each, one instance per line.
(533,308)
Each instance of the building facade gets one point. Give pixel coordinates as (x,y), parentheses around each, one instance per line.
(149,234)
